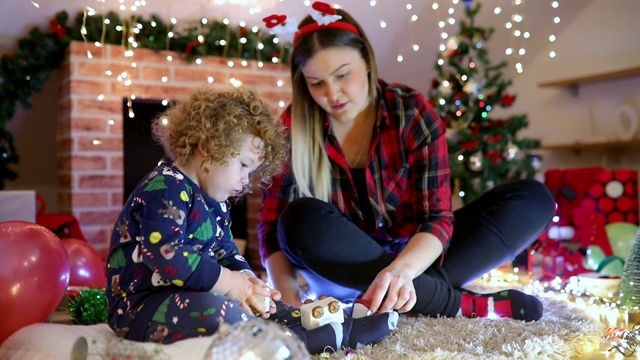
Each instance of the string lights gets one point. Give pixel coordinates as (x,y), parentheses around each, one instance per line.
(622,335)
(552,38)
(412,44)
(130,28)
(517,26)
(446,13)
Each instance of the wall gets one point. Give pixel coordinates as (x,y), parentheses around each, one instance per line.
(89,141)
(600,38)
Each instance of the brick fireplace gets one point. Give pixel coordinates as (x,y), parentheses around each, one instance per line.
(90,175)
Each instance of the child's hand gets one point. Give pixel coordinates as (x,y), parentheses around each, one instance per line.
(242,286)
(264,310)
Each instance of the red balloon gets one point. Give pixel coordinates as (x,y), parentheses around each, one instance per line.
(34,275)
(87,267)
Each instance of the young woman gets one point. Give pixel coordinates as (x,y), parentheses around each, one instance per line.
(174,271)
(364,209)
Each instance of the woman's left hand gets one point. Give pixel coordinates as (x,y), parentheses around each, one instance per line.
(396,285)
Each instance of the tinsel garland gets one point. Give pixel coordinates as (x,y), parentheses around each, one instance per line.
(624,341)
(89,307)
(25,72)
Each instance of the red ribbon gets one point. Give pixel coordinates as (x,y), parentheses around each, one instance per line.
(190,46)
(58,29)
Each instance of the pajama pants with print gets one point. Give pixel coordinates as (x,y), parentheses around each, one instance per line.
(184,315)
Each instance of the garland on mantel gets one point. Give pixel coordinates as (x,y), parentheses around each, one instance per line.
(26,71)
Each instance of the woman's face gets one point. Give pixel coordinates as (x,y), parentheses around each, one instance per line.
(337,79)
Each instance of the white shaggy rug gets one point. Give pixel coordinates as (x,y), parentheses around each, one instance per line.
(564,332)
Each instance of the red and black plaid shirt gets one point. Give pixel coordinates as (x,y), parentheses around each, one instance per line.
(408,177)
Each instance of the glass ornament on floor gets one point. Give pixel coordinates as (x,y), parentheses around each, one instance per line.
(256,339)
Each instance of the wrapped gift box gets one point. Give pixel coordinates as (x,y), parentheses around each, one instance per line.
(18,205)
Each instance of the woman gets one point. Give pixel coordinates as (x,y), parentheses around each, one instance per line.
(364,210)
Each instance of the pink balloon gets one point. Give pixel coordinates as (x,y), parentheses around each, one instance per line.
(34,275)
(86,266)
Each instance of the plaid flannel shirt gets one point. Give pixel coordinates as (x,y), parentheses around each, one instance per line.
(407,175)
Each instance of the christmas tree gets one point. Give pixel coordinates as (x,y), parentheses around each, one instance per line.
(483,151)
(629,289)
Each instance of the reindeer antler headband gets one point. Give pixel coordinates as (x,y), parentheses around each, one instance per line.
(325,15)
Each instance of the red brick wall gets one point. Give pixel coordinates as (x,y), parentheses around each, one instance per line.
(89,131)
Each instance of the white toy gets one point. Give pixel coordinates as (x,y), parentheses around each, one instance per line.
(323,311)
(265,302)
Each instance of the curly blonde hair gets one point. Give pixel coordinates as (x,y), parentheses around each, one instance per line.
(219,120)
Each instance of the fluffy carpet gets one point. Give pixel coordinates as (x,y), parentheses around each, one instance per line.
(564,332)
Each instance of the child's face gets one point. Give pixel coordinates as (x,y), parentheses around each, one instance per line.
(224,181)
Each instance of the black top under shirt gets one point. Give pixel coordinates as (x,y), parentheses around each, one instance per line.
(360,182)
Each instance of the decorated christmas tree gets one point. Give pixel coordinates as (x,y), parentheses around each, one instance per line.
(629,289)
(483,151)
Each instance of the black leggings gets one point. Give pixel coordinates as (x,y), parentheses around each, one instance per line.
(488,232)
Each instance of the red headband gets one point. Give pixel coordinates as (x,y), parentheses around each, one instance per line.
(325,16)
(334,25)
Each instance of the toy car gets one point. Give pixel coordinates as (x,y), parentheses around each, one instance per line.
(323,311)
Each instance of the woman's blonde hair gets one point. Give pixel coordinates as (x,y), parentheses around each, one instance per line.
(219,121)
(310,163)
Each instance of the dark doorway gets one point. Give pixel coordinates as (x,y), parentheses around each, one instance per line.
(141,152)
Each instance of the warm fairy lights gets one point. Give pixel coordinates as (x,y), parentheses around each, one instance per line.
(623,333)
(556,20)
(519,34)
(446,13)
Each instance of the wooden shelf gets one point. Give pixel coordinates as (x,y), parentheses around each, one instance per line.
(598,145)
(572,82)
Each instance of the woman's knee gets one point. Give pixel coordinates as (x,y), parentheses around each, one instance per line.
(540,197)
(300,211)
(295,220)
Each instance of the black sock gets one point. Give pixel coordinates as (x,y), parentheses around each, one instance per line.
(350,334)
(507,303)
(370,329)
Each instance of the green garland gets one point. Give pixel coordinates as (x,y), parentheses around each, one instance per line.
(89,307)
(26,71)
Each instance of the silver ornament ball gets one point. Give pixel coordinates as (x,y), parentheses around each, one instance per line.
(256,339)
